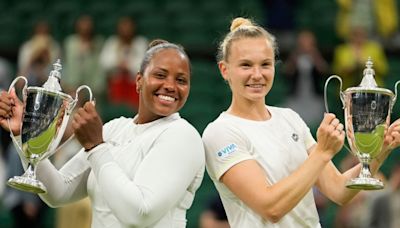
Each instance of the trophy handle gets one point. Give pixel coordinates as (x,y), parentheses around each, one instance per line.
(395,96)
(325,91)
(341,98)
(75,101)
(15,141)
(72,106)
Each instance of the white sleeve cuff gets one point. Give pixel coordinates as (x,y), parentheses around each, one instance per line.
(99,156)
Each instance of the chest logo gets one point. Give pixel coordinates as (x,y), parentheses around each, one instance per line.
(295,137)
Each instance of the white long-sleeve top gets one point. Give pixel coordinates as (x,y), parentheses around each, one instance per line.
(145,175)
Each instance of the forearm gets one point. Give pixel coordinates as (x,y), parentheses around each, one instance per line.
(65,185)
(333,185)
(286,194)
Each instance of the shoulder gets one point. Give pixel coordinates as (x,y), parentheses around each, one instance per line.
(218,126)
(140,40)
(112,40)
(179,136)
(71,39)
(223,129)
(284,112)
(182,128)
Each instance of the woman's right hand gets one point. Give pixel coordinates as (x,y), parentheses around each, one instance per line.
(330,135)
(11,108)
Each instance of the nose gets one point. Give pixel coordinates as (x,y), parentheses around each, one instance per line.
(170,84)
(257,73)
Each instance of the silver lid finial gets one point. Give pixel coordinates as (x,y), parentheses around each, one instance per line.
(368,80)
(369,63)
(56,69)
(53,82)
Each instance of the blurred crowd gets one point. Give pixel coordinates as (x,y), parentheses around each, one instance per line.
(108,65)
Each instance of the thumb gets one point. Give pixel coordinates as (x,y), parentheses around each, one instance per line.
(13,94)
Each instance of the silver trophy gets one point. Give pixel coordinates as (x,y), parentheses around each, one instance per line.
(45,117)
(367,111)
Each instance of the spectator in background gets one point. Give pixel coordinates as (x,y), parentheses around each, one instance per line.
(377,17)
(305,71)
(82,51)
(37,54)
(121,57)
(350,58)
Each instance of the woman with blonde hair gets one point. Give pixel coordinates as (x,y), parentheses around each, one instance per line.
(263,159)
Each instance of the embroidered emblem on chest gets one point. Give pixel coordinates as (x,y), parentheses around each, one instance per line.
(295,137)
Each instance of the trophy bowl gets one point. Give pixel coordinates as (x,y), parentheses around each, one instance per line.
(44,120)
(367,110)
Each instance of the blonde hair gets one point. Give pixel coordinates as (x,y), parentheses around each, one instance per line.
(243,28)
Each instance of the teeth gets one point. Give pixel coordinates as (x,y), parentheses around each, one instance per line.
(255,86)
(166,98)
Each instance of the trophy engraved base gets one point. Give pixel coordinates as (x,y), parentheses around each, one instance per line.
(27,182)
(365,184)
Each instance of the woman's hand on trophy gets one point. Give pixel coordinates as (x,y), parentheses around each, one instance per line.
(392,136)
(88,126)
(11,108)
(330,135)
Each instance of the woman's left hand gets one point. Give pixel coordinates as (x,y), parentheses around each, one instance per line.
(88,126)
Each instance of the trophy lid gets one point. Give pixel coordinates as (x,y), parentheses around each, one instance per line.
(368,83)
(53,82)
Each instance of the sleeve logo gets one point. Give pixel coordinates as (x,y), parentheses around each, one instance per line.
(227,150)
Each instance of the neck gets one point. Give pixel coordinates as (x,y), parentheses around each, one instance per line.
(250,110)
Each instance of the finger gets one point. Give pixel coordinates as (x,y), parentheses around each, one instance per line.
(396,136)
(328,117)
(393,128)
(89,107)
(81,112)
(335,122)
(340,127)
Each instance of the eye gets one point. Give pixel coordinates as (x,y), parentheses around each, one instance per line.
(266,64)
(159,75)
(182,80)
(245,65)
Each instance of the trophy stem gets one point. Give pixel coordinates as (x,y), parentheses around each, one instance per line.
(365,181)
(27,182)
(365,160)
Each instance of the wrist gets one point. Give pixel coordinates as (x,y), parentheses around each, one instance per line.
(87,149)
(323,155)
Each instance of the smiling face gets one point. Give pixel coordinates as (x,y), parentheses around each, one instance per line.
(164,86)
(249,69)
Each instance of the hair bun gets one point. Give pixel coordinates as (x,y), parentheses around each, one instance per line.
(240,21)
(157,42)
